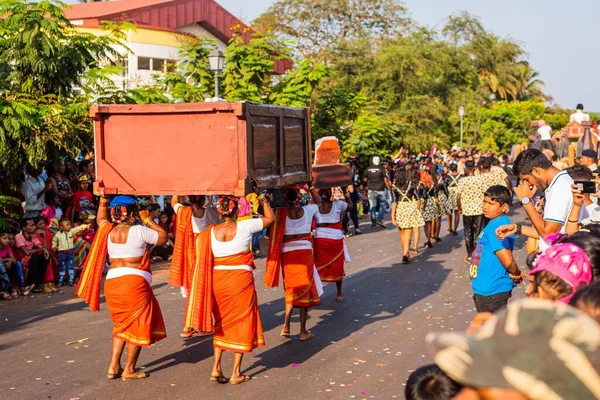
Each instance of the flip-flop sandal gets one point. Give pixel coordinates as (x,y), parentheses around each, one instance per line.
(219,379)
(310,336)
(137,375)
(194,333)
(115,376)
(245,378)
(340,299)
(284,334)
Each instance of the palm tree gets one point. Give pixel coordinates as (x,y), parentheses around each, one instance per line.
(530,87)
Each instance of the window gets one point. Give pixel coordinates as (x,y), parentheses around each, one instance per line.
(158,64)
(144,63)
(123,63)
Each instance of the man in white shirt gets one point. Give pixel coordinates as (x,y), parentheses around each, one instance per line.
(545,136)
(535,172)
(579,115)
(34,190)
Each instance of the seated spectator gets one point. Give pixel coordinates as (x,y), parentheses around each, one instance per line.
(533,350)
(33,256)
(429,382)
(587,300)
(12,266)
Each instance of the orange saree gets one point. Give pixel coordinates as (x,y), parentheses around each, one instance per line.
(298,278)
(184,254)
(297,267)
(228,295)
(135,312)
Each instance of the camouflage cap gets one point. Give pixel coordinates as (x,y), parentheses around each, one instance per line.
(545,350)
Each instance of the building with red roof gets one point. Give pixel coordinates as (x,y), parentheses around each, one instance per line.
(163,27)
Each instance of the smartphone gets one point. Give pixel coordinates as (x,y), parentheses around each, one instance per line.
(586,186)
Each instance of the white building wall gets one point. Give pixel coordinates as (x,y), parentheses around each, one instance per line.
(199,31)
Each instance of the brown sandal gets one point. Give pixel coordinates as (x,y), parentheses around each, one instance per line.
(310,336)
(137,375)
(245,378)
(219,379)
(115,376)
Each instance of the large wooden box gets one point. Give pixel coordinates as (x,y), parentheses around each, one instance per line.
(199,148)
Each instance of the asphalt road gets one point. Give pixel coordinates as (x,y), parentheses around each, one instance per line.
(365,347)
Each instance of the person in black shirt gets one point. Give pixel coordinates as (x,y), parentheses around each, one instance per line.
(405,205)
(377,182)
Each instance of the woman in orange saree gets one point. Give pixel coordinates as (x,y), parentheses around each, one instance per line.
(330,248)
(136,315)
(291,251)
(223,287)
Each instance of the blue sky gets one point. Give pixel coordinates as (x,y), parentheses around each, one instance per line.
(560,36)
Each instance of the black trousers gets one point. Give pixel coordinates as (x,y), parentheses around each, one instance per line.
(37,269)
(491,303)
(473,225)
(353,213)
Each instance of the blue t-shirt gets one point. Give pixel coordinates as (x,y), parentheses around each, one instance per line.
(488,275)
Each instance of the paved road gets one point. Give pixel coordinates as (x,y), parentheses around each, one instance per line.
(365,348)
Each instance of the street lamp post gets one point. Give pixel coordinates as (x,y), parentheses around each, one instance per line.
(461,112)
(216,60)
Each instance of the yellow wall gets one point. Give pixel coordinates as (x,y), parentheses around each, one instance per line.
(147,36)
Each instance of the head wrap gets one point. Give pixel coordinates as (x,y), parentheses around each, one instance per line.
(122,200)
(226,204)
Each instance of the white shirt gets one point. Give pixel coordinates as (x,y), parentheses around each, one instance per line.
(31,187)
(579,116)
(545,132)
(593,214)
(559,201)
(210,217)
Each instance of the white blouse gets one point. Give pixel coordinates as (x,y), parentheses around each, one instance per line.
(138,238)
(335,214)
(240,242)
(303,225)
(200,224)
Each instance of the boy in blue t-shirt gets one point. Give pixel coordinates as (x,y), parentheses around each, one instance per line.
(494,272)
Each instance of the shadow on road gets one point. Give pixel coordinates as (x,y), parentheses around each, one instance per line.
(19,317)
(372,296)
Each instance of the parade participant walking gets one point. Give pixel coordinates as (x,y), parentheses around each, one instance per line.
(451,181)
(330,247)
(444,208)
(136,315)
(535,172)
(223,287)
(377,183)
(412,175)
(430,210)
(291,251)
(405,206)
(191,221)
(469,199)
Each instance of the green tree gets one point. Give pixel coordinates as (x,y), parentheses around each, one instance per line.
(297,87)
(314,27)
(42,58)
(249,65)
